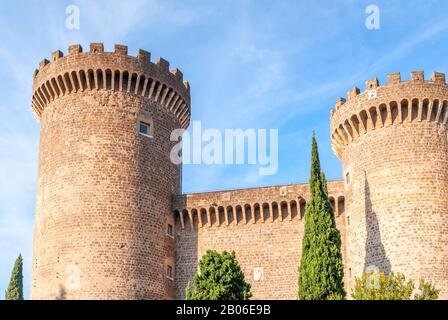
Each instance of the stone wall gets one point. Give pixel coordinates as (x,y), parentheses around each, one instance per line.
(264,226)
(393,144)
(104,190)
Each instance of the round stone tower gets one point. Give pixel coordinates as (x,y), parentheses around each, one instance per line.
(392,141)
(105,177)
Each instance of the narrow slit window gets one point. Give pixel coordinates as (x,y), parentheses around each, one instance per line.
(170,231)
(169,272)
(348,178)
(144,128)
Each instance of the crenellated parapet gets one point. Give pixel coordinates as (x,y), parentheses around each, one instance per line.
(394,103)
(275,204)
(116,71)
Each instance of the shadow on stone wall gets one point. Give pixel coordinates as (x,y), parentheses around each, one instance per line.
(375,253)
(186,264)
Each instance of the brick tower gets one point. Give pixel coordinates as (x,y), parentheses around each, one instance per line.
(392,141)
(105,177)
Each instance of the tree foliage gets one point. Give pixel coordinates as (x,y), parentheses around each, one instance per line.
(15,288)
(426,291)
(321,269)
(219,278)
(379,286)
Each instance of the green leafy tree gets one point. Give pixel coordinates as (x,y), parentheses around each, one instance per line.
(379,286)
(321,270)
(426,291)
(335,296)
(219,278)
(15,288)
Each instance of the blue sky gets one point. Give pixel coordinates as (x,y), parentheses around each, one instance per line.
(250,64)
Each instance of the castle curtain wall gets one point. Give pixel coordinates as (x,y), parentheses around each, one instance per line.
(264,226)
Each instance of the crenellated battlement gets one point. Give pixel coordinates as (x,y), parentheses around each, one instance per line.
(250,206)
(384,105)
(117,71)
(437,78)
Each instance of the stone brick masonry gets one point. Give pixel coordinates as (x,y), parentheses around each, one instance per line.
(104,190)
(392,140)
(264,226)
(111,222)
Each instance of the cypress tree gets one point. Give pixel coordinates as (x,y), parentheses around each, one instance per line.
(321,270)
(15,288)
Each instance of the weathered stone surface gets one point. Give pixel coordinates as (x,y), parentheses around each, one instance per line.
(104,190)
(264,226)
(107,196)
(395,148)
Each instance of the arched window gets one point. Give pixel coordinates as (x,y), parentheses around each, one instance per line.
(204,217)
(294,212)
(373,116)
(193,216)
(61,84)
(68,82)
(125,80)
(229,214)
(213,218)
(404,110)
(425,109)
(91,78)
(99,77)
(275,211)
(283,210)
(383,114)
(239,214)
(55,87)
(248,213)
(444,113)
(221,216)
(414,109)
(141,84)
(364,118)
(83,80)
(256,214)
(266,211)
(394,111)
(133,83)
(116,80)
(434,110)
(108,79)
(355,121)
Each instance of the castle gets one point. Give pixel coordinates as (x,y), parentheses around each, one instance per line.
(111,222)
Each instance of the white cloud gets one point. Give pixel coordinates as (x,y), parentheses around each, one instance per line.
(114,20)
(405,47)
(18,163)
(248,73)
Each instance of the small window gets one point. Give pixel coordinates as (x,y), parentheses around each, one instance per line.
(348,178)
(144,128)
(169,272)
(348,220)
(350,272)
(170,231)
